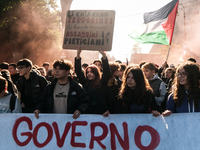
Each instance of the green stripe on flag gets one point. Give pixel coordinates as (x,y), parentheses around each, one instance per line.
(158,37)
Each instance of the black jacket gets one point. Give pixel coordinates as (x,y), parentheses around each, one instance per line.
(30,90)
(15,78)
(97,96)
(123,104)
(112,91)
(77,98)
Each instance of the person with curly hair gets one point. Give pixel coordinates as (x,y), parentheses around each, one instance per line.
(136,95)
(185,96)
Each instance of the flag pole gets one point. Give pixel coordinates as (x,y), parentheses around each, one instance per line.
(172,32)
(168,53)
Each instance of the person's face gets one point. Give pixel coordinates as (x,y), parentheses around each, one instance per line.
(121,72)
(53,72)
(61,73)
(148,73)
(42,72)
(98,64)
(130,81)
(90,75)
(12,70)
(116,73)
(46,67)
(182,77)
(23,70)
(168,74)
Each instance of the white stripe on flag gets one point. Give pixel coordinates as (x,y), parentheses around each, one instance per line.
(151,27)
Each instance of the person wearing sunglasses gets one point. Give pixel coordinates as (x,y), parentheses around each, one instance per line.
(185,96)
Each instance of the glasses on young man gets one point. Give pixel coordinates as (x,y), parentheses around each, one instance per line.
(21,67)
(183,74)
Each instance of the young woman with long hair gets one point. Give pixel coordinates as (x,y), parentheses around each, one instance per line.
(94,83)
(185,96)
(136,95)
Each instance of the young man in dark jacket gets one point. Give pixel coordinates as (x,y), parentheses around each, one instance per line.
(30,85)
(63,95)
(12,68)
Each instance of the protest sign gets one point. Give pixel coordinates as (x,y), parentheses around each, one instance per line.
(123,131)
(90,29)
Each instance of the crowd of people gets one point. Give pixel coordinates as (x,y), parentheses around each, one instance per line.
(99,88)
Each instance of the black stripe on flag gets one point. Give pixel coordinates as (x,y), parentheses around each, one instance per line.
(161,13)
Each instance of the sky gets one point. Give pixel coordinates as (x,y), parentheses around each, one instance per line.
(128,16)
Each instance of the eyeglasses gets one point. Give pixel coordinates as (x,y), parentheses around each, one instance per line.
(20,68)
(183,74)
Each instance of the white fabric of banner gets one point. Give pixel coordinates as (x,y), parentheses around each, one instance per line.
(122,131)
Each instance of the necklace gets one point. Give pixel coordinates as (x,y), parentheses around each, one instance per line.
(61,86)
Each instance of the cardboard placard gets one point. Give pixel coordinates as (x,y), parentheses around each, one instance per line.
(90,29)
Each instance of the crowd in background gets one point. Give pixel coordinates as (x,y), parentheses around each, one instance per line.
(101,87)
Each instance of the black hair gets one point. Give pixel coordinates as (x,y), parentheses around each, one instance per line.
(13,64)
(85,65)
(192,60)
(45,64)
(4,65)
(118,61)
(25,62)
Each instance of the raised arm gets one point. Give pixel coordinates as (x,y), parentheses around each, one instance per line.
(78,68)
(106,68)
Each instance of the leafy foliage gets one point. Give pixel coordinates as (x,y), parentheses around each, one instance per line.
(31,27)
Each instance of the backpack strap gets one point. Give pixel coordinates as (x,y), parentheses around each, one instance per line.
(12,102)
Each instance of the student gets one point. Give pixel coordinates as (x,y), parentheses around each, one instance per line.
(50,75)
(185,96)
(42,71)
(112,88)
(12,68)
(30,85)
(170,75)
(94,84)
(63,95)
(4,65)
(46,66)
(136,95)
(121,72)
(9,103)
(84,66)
(191,60)
(156,83)
(98,63)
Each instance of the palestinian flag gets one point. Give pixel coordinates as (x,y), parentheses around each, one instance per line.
(158,26)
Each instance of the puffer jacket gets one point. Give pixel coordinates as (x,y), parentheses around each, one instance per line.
(30,90)
(77,98)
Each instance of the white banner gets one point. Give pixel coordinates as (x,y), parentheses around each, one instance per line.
(126,131)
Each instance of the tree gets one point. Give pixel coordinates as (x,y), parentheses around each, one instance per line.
(30,27)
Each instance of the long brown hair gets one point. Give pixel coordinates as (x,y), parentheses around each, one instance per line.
(193,75)
(96,81)
(142,84)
